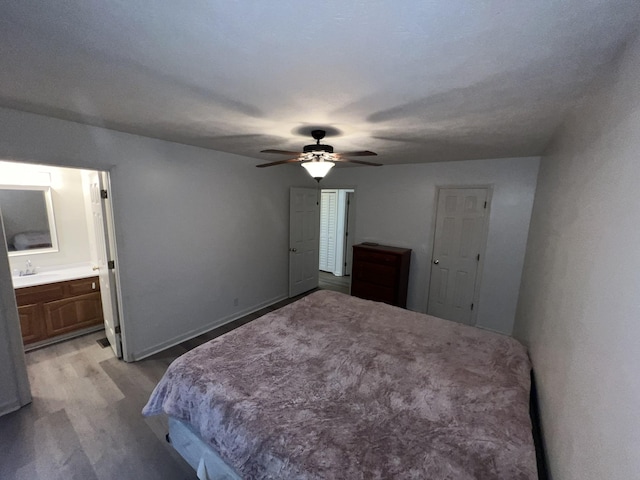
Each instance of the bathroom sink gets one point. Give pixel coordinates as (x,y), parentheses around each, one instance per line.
(53,276)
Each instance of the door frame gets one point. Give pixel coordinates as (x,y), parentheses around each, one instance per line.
(8,284)
(344,235)
(350,228)
(483,244)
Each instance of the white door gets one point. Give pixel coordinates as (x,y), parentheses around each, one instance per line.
(104,246)
(458,238)
(328,229)
(304,212)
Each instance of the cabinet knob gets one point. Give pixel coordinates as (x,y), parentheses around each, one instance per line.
(435,262)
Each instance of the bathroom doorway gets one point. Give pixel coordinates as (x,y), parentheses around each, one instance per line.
(68,286)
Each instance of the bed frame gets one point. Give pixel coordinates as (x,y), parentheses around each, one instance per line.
(202,458)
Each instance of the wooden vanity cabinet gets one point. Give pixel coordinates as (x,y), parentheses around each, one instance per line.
(381,273)
(31,323)
(53,309)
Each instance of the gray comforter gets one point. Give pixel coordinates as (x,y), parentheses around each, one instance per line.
(333,386)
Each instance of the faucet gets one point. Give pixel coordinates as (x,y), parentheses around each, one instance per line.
(29,270)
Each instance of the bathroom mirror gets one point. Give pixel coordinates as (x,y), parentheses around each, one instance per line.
(27,213)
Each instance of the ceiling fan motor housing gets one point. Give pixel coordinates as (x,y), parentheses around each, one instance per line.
(317,148)
(318,135)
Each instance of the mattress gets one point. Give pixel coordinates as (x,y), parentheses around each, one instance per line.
(333,386)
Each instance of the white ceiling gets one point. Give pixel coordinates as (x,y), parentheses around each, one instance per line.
(415,81)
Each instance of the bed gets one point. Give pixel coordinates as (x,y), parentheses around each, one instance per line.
(332,386)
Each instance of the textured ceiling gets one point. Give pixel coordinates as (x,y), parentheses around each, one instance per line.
(415,81)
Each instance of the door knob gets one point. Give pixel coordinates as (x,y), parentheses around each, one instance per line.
(435,262)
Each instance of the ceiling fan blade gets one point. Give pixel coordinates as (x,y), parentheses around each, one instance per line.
(291,160)
(363,153)
(282,152)
(362,162)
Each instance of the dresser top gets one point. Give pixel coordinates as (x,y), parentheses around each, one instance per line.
(383,248)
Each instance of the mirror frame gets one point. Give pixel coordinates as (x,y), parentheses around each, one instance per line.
(48,200)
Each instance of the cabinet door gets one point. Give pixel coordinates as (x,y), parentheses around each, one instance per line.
(70,314)
(31,323)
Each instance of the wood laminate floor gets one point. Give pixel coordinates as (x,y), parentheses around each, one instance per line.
(328,281)
(84,422)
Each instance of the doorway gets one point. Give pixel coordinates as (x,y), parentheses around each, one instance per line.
(85,244)
(336,238)
(459,242)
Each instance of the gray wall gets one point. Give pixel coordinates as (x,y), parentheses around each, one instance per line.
(14,386)
(395,205)
(195,228)
(579,309)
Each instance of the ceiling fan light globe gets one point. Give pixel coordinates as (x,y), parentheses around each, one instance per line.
(318,169)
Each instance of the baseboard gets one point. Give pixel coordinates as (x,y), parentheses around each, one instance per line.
(481,327)
(11,406)
(204,329)
(62,338)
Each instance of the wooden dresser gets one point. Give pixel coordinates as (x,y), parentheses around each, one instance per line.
(54,309)
(381,273)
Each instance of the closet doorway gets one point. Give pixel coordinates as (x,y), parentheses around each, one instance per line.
(336,238)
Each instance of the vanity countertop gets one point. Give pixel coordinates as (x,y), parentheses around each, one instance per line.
(54,275)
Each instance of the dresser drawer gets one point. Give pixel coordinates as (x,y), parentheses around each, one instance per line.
(376,257)
(378,274)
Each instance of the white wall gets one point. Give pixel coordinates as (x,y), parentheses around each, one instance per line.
(70,217)
(195,228)
(395,205)
(579,310)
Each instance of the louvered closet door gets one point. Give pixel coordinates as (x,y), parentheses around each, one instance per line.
(328,230)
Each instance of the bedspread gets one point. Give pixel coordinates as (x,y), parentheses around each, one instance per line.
(333,386)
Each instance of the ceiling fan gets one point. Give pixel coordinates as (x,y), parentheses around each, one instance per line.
(318,159)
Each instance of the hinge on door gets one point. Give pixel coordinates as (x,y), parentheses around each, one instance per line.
(346,234)
(485,204)
(117,330)
(478,257)
(472,306)
(111,264)
(103,194)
